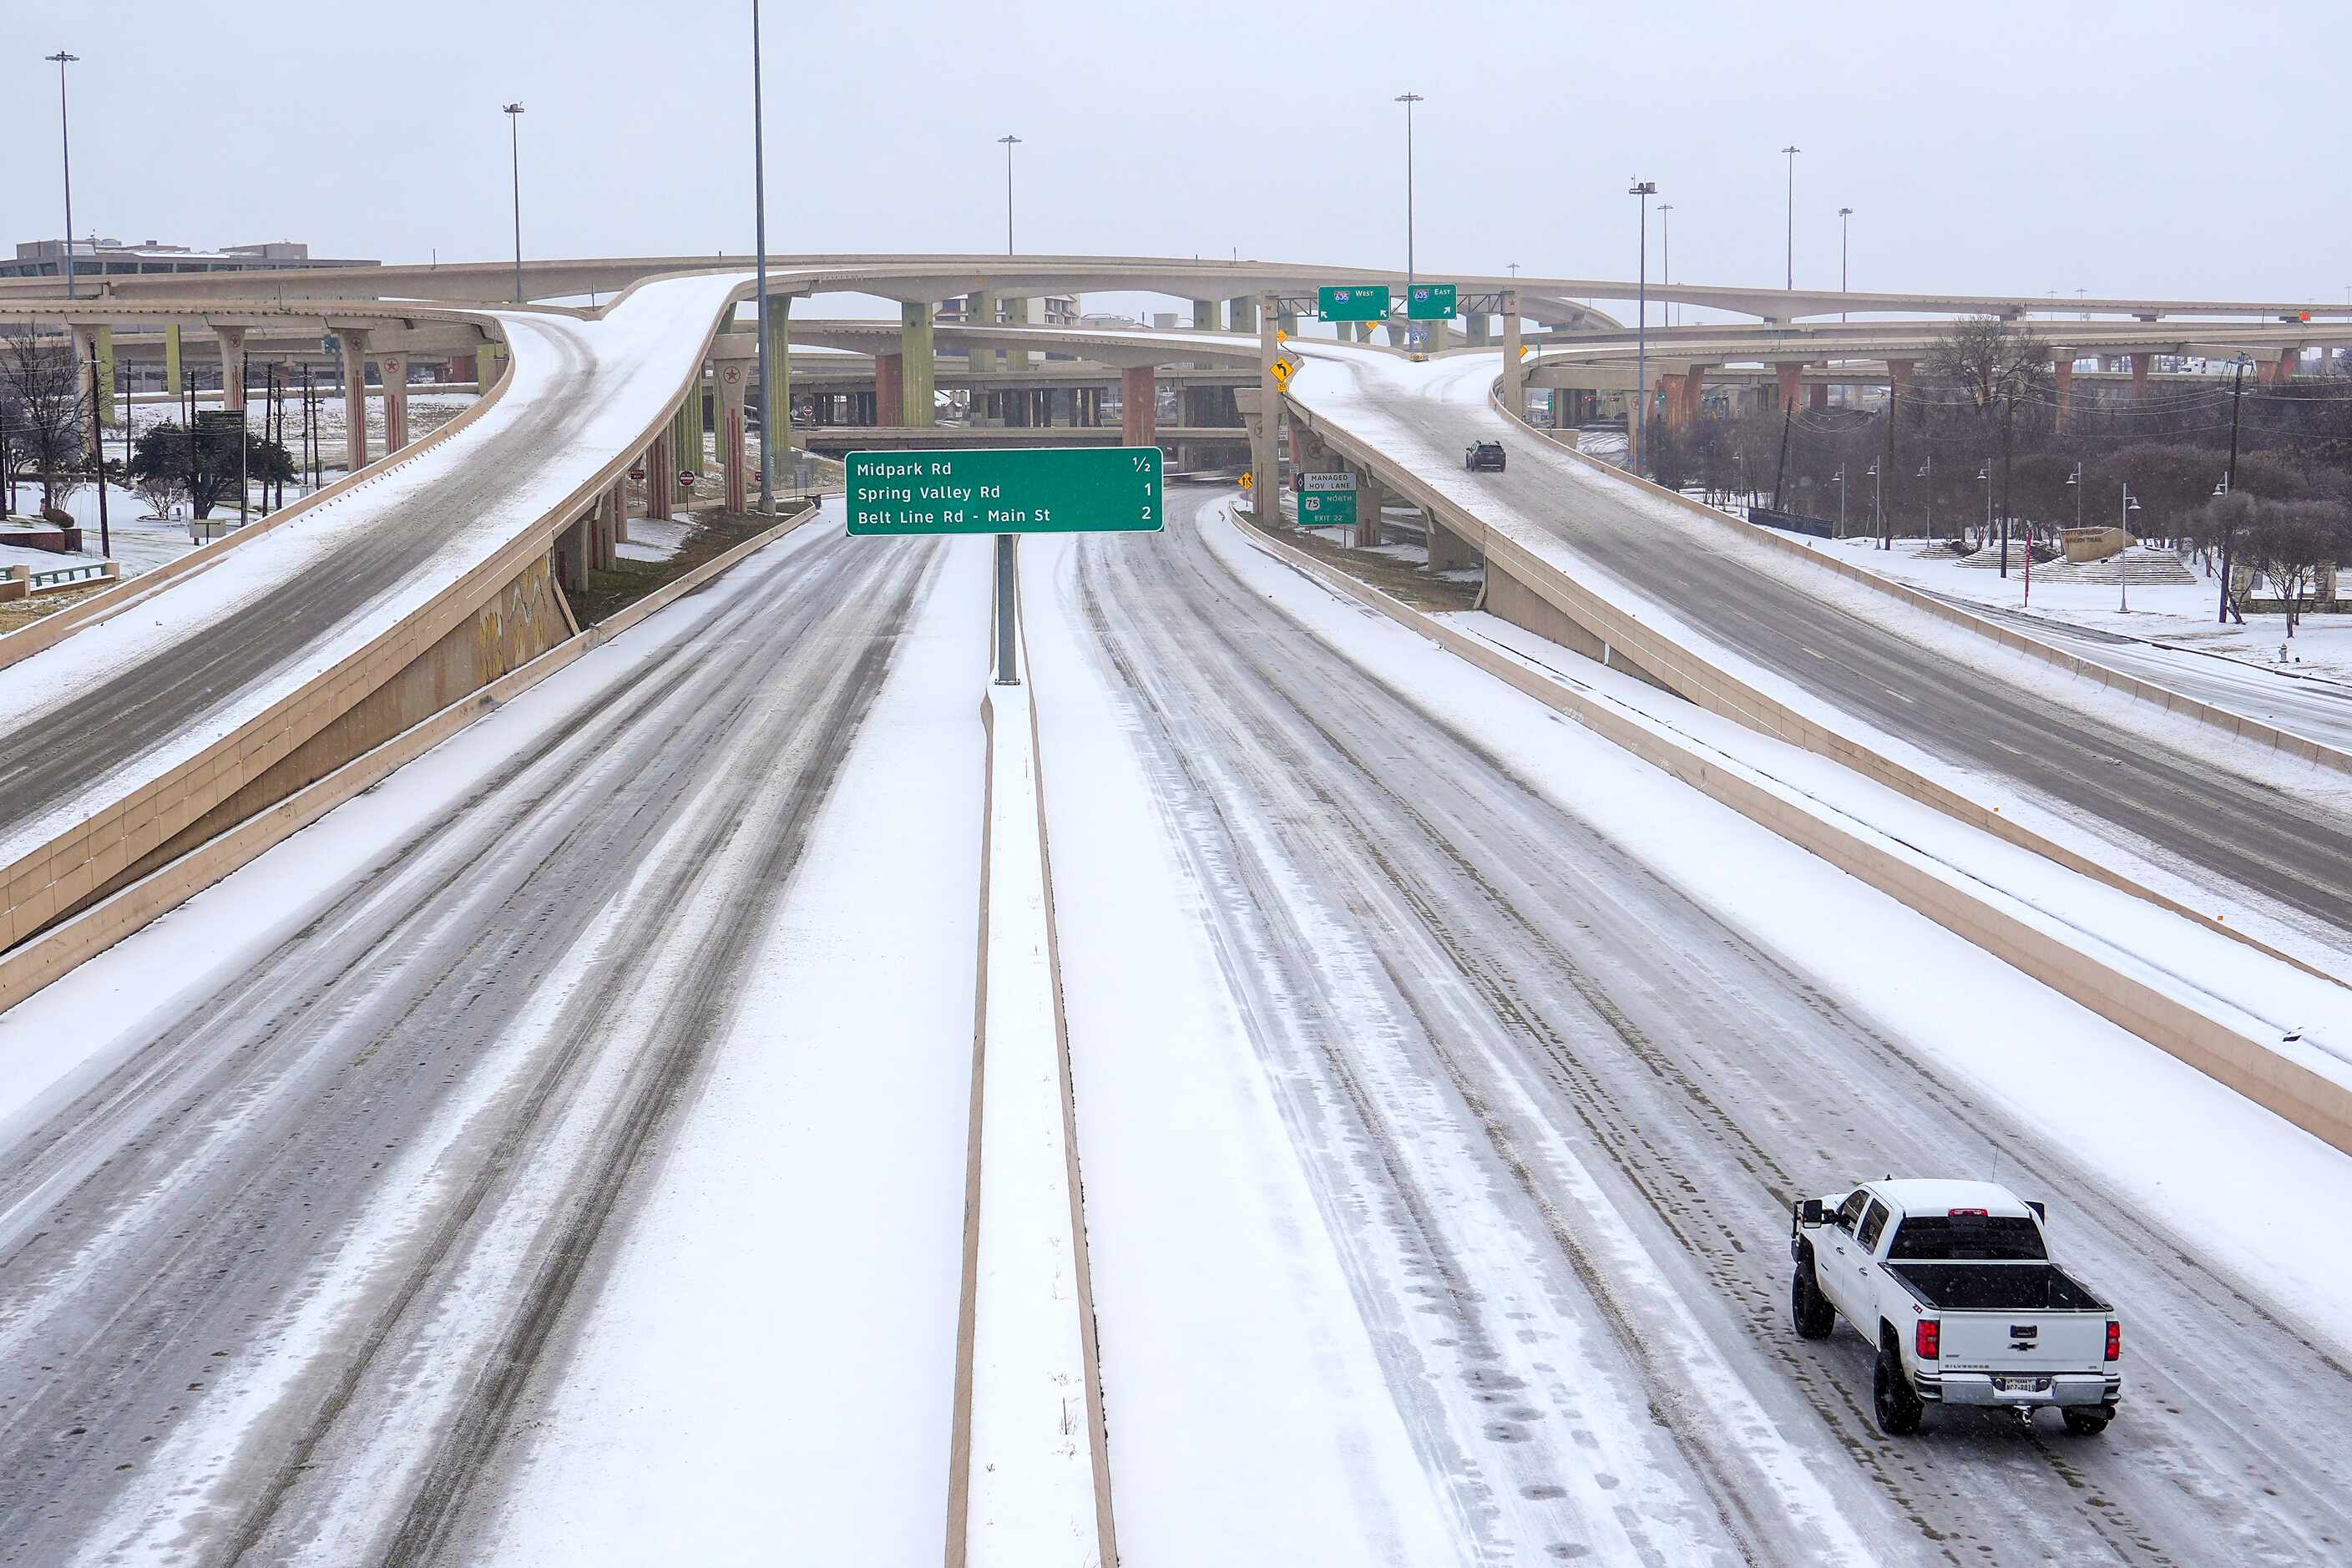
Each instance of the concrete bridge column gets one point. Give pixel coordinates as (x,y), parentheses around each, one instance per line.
(2277,375)
(618,497)
(1475,328)
(353,345)
(1016,314)
(1139,406)
(1436,335)
(172,358)
(697,421)
(1790,374)
(1514,369)
(1240,315)
(83,340)
(2140,366)
(2062,383)
(730,437)
(979,310)
(393,371)
(1204,316)
(573,546)
(232,358)
(776,401)
(661,476)
(464,367)
(103,350)
(1448,550)
(1266,444)
(1369,495)
(889,394)
(918,377)
(1821,396)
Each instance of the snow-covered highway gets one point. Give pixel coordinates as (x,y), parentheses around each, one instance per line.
(1444,1077)
(2162,792)
(391,1197)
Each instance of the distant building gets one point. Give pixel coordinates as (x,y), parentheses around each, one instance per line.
(96,258)
(1049,311)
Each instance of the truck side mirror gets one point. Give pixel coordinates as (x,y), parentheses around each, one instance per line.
(2041,1211)
(1808,1212)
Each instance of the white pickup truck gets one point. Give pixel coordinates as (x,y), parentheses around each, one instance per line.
(1953,1282)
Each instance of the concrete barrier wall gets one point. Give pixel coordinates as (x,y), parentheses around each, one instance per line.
(1990,921)
(1647,651)
(1025,1487)
(2254,730)
(33,964)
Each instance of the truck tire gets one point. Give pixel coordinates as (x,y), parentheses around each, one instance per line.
(1892,1400)
(2088,1420)
(1809,1309)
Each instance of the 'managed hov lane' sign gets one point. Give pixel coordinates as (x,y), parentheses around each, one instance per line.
(1050,489)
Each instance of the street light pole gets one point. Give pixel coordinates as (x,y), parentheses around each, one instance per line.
(513,111)
(1792,150)
(1639,425)
(768,410)
(1408,100)
(65,146)
(1009,142)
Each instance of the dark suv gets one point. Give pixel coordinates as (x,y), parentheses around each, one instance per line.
(1482,457)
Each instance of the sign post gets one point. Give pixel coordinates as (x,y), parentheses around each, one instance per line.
(1005,492)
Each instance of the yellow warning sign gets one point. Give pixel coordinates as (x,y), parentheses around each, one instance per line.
(1249,482)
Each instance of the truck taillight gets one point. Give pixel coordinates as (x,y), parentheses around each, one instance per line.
(1931,1338)
(2114,1342)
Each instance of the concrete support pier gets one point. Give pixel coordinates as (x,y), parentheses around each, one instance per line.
(392,369)
(353,345)
(918,378)
(731,462)
(232,359)
(889,394)
(661,478)
(1139,406)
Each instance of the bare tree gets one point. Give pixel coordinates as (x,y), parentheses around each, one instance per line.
(2286,546)
(46,410)
(1993,365)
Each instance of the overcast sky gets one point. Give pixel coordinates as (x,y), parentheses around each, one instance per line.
(2143,149)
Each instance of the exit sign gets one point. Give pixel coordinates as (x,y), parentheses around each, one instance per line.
(1327,509)
(1356,302)
(1432,302)
(1035,489)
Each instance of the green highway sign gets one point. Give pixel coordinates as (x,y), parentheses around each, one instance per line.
(1356,302)
(1327,509)
(1432,302)
(1047,489)
(1339,481)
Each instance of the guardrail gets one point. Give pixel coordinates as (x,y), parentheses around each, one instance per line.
(67,576)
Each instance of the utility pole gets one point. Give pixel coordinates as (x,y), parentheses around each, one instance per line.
(2230,477)
(769,413)
(1639,426)
(513,111)
(65,146)
(1009,142)
(1792,150)
(98,461)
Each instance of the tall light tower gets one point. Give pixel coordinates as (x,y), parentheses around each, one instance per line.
(513,111)
(65,146)
(768,410)
(1408,100)
(1792,150)
(1644,189)
(1845,215)
(1666,250)
(1009,142)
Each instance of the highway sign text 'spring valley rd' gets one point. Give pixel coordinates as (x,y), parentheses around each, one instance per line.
(1049,489)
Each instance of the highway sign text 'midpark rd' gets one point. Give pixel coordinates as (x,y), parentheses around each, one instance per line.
(1051,490)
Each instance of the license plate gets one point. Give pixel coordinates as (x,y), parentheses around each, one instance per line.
(2022,1384)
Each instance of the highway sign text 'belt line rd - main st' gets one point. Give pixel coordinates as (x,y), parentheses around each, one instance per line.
(1053,489)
